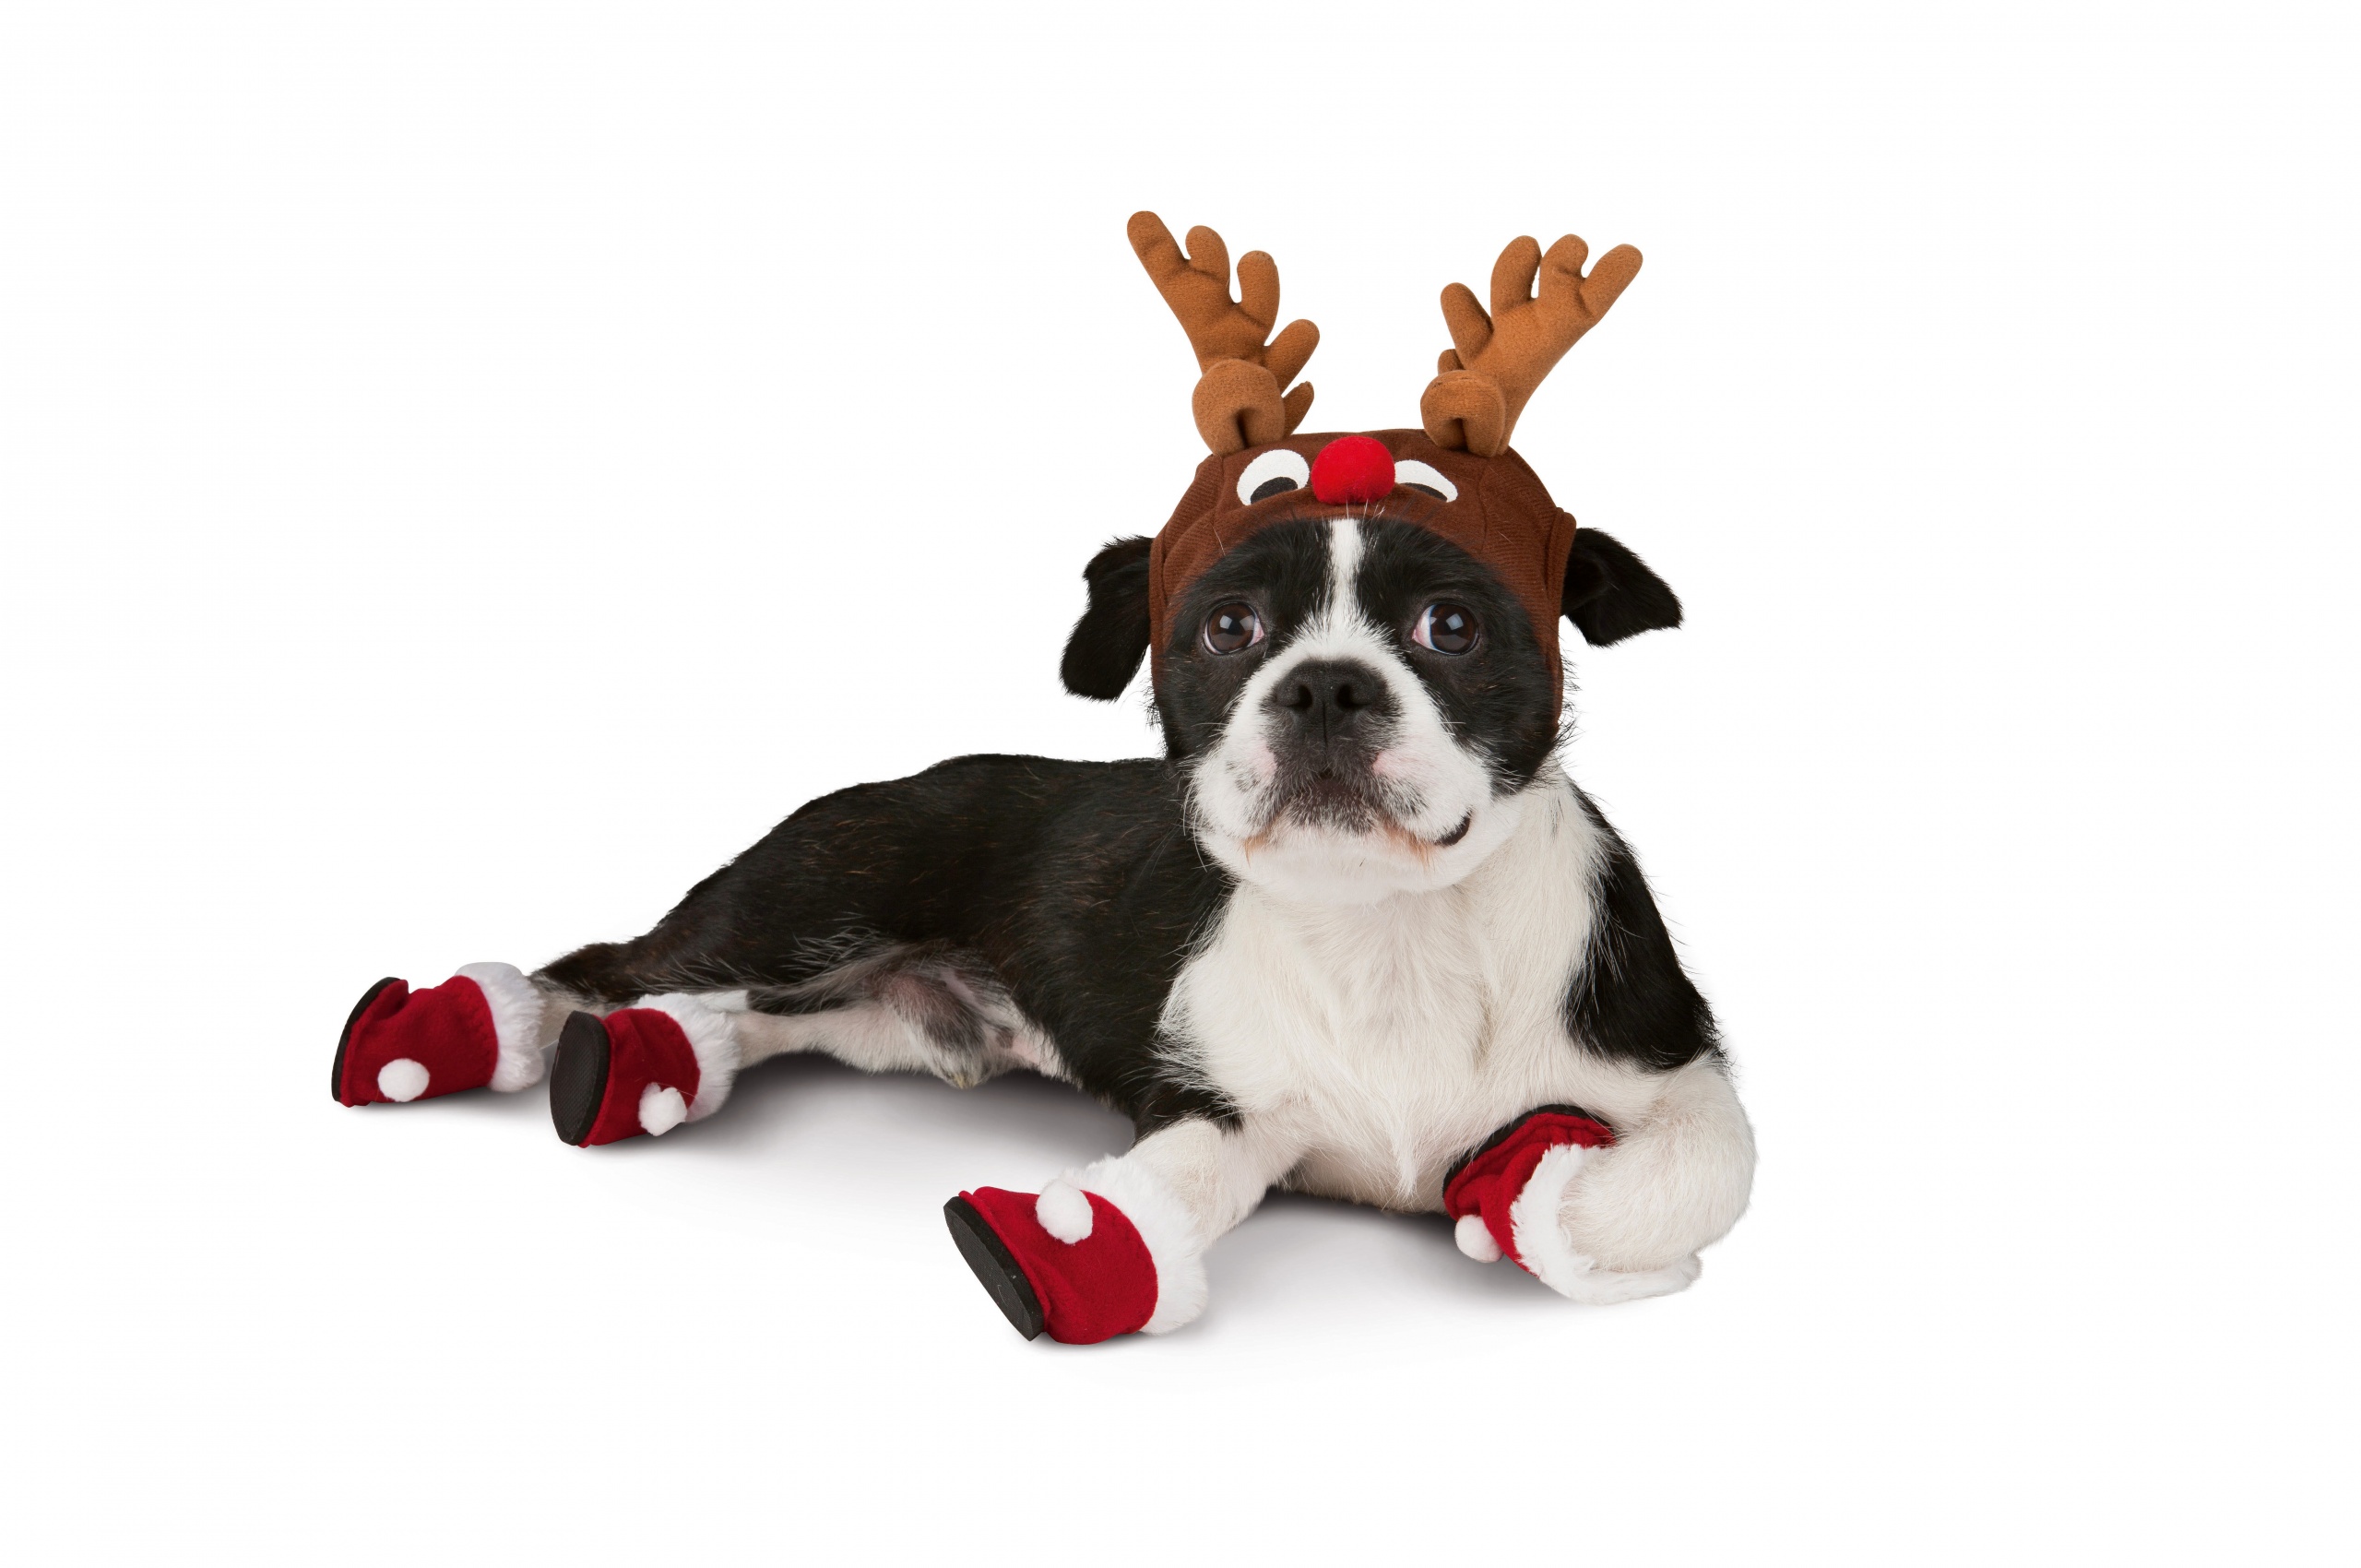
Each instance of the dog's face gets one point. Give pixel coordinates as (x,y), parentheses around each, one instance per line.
(1359,703)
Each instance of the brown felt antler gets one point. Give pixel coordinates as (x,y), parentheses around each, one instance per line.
(1497,360)
(1244,371)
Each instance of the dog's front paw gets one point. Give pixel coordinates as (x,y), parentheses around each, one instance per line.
(1509,1199)
(1072,1261)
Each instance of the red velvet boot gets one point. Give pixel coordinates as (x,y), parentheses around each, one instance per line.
(1072,1264)
(645,1069)
(1506,1197)
(480,1028)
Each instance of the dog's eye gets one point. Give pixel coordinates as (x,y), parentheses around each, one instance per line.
(1233,628)
(1446,628)
(1413,474)
(1275,472)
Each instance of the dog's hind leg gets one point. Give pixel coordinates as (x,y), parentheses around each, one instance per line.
(911,1007)
(625,1063)
(858,913)
(1118,1247)
(643,1069)
(923,1007)
(490,1026)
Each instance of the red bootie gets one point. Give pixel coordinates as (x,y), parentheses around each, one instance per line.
(1070,1263)
(1507,1199)
(1483,1192)
(645,1069)
(480,1028)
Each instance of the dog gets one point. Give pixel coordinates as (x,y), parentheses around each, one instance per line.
(1355,933)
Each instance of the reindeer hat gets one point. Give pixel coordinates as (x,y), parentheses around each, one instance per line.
(1455,475)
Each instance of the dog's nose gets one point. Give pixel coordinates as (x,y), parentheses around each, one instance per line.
(1326,699)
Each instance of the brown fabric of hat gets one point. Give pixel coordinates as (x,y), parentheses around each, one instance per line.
(1502,516)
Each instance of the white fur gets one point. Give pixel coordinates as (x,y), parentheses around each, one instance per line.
(1390,1037)
(516,1006)
(660,1109)
(1475,1239)
(1384,1039)
(402,1080)
(1064,1212)
(1435,780)
(871,1036)
(1533,1216)
(1542,1243)
(1344,563)
(1676,1180)
(1537,1220)
(713,1036)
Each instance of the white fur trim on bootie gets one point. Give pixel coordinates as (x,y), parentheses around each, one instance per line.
(1164,1223)
(1542,1243)
(516,1004)
(402,1080)
(713,1038)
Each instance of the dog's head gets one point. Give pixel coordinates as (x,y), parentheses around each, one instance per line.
(1359,699)
(1355,637)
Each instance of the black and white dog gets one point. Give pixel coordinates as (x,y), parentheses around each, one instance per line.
(1353,923)
(1355,934)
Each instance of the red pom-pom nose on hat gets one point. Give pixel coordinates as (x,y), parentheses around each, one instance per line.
(1352,469)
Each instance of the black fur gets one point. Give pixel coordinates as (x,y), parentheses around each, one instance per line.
(1283,573)
(1633,1001)
(1500,692)
(1107,643)
(1071,886)
(1610,594)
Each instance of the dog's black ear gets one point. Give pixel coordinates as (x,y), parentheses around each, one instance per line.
(1111,637)
(1610,594)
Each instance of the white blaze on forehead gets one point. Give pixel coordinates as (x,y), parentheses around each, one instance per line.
(1344,565)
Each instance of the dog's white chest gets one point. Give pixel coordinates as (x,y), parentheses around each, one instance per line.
(1389,1037)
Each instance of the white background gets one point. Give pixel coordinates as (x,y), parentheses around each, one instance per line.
(466,473)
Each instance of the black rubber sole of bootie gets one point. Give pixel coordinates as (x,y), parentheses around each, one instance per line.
(579,1076)
(995,1267)
(344,1041)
